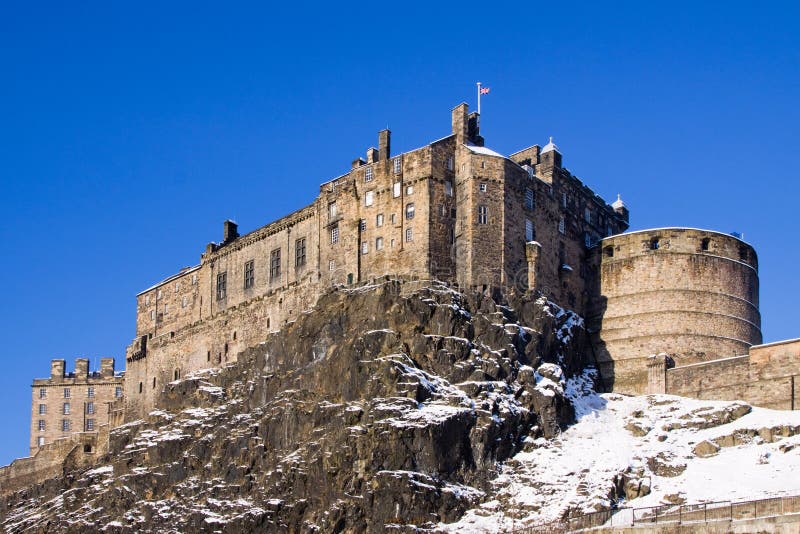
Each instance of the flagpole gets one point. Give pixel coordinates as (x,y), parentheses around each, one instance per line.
(479,98)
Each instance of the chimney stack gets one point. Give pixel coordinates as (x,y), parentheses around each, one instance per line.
(230,231)
(460,122)
(57,368)
(107,367)
(372,154)
(81,367)
(384,145)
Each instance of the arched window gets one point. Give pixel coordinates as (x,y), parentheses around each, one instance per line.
(655,243)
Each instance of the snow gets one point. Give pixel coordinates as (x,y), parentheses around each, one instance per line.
(576,471)
(483,151)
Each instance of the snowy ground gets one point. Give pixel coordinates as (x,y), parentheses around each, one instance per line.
(758,456)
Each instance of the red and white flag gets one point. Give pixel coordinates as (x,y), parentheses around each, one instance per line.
(485,90)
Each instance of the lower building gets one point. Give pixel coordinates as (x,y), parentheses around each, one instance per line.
(67,404)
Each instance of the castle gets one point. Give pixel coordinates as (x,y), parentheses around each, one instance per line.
(457,211)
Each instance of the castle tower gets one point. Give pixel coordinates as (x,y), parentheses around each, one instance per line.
(692,294)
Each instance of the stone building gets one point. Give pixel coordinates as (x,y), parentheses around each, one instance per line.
(67,404)
(453,210)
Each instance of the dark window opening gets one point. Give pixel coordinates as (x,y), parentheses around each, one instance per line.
(609,251)
(249,274)
(154,382)
(654,243)
(234,335)
(275,264)
(176,374)
(267,322)
(140,387)
(300,252)
(222,285)
(743,253)
(704,243)
(87,448)
(349,278)
(226,348)
(208,356)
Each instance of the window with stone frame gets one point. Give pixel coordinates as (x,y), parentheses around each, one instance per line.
(332,211)
(562,225)
(530,234)
(379,220)
(300,253)
(118,391)
(483,187)
(410,211)
(249,274)
(397,165)
(275,265)
(67,393)
(368,174)
(364,247)
(409,235)
(369,198)
(448,188)
(335,235)
(40,441)
(89,425)
(483,215)
(90,391)
(42,393)
(362,225)
(222,285)
(378,243)
(42,409)
(90,407)
(65,409)
(450,163)
(65,425)
(530,199)
(41,425)
(396,189)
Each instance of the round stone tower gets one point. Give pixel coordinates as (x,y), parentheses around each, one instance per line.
(692,294)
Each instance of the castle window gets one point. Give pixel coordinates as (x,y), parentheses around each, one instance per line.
(177,286)
(41,425)
(154,382)
(65,425)
(158,295)
(409,234)
(396,189)
(90,407)
(89,428)
(704,244)
(118,391)
(655,243)
(334,235)
(249,274)
(391,243)
(65,410)
(184,302)
(332,212)
(483,215)
(743,253)
(364,247)
(42,409)
(368,174)
(563,200)
(409,190)
(587,215)
(450,163)
(166,308)
(152,315)
(482,187)
(147,300)
(194,279)
(378,243)
(483,164)
(66,393)
(609,230)
(609,251)
(176,374)
(299,254)
(448,188)
(379,220)
(90,391)
(208,356)
(369,198)
(452,213)
(530,198)
(222,285)
(442,210)
(331,265)
(42,393)
(362,225)
(397,165)
(587,240)
(410,210)
(393,218)
(562,225)
(530,234)
(275,264)
(40,441)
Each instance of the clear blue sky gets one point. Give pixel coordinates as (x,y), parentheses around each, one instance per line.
(129,133)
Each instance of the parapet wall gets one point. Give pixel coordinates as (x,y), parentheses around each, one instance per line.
(769,376)
(692,294)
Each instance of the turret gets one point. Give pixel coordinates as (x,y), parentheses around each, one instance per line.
(619,208)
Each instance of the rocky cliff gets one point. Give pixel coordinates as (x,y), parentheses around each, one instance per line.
(390,407)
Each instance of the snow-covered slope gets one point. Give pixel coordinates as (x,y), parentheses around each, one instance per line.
(663,448)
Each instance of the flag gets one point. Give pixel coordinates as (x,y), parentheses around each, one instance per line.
(485,90)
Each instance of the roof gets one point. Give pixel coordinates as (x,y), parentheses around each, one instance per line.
(483,150)
(185,270)
(617,204)
(550,147)
(673,228)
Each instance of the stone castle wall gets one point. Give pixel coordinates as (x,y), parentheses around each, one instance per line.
(769,376)
(690,293)
(451,210)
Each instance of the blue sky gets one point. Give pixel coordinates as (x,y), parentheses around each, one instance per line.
(129,133)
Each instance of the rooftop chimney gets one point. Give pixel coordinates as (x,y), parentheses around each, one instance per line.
(372,154)
(474,128)
(57,369)
(230,231)
(384,144)
(459,121)
(81,367)
(107,367)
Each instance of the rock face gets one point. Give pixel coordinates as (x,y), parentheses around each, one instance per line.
(390,407)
